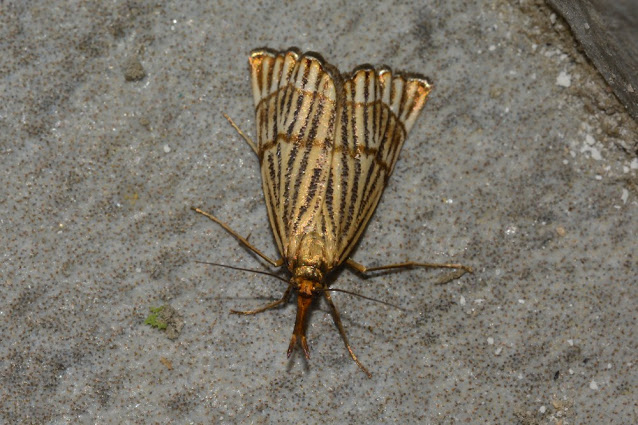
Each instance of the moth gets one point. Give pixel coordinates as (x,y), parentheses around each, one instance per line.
(327,144)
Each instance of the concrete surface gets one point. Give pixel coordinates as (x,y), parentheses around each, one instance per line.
(523,166)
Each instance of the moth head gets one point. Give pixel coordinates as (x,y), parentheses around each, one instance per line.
(307,287)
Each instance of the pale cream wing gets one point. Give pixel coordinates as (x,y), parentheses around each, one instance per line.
(295,107)
(377,112)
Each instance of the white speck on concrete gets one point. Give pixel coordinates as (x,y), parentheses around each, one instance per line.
(564,79)
(589,146)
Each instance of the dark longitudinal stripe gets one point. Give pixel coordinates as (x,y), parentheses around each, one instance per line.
(269,195)
(352,240)
(354,189)
(299,174)
(308,132)
(289,93)
(349,142)
(329,201)
(290,117)
(264,132)
(312,191)
(354,134)
(366,99)
(395,147)
(323,225)
(376,109)
(272,172)
(371,179)
(279,171)
(301,135)
(402,100)
(378,163)
(285,97)
(374,178)
(354,194)
(387,140)
(345,169)
(302,206)
(277,103)
(300,97)
(366,214)
(272,103)
(269,75)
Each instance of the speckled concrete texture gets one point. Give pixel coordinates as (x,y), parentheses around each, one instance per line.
(523,166)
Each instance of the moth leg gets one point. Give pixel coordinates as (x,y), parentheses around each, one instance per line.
(337,319)
(268,306)
(247,244)
(242,134)
(363,269)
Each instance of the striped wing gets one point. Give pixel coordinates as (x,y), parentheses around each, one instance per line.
(377,112)
(295,105)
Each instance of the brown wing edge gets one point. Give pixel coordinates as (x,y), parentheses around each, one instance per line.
(260,52)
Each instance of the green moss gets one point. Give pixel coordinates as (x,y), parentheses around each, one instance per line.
(166,318)
(154,319)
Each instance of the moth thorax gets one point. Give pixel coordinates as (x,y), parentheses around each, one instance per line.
(310,258)
(307,273)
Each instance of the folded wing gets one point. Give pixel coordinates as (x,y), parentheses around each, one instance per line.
(295,104)
(377,110)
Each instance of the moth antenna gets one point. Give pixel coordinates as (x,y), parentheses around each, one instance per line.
(364,297)
(243,269)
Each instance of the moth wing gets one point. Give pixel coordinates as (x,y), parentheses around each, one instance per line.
(295,106)
(377,112)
